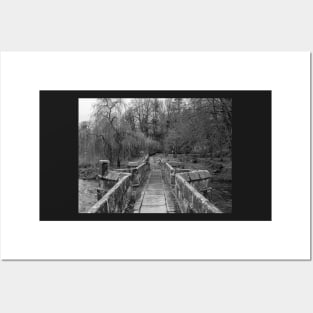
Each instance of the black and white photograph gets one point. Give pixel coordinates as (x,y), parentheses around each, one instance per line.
(155,155)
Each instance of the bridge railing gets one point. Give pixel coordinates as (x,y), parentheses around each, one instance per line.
(190,199)
(139,170)
(188,186)
(139,174)
(170,169)
(116,199)
(117,186)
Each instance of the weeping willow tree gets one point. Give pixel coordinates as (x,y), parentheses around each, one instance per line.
(107,124)
(110,135)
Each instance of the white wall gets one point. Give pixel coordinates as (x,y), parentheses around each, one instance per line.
(156,286)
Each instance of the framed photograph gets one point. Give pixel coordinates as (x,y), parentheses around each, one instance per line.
(156,155)
(163,156)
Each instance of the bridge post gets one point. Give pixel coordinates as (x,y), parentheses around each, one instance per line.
(104,167)
(147,161)
(103,171)
(100,193)
(135,178)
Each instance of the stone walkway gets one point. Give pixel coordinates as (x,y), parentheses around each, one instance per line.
(156,196)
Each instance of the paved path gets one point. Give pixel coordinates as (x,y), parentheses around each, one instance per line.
(156,196)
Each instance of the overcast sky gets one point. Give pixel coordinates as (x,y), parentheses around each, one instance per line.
(85,108)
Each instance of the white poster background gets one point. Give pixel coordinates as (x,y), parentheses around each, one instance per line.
(24,74)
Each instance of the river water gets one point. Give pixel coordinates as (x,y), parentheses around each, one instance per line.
(221,195)
(87,194)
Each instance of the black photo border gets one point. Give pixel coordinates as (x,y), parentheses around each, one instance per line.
(251,155)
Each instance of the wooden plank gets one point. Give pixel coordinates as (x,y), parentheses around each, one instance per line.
(153,209)
(155,187)
(153,200)
(153,192)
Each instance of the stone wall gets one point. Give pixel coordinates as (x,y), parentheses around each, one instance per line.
(139,173)
(189,198)
(139,170)
(116,199)
(110,179)
(169,171)
(116,187)
(188,187)
(199,179)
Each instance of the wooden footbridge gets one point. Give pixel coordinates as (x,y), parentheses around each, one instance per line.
(156,196)
(154,185)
